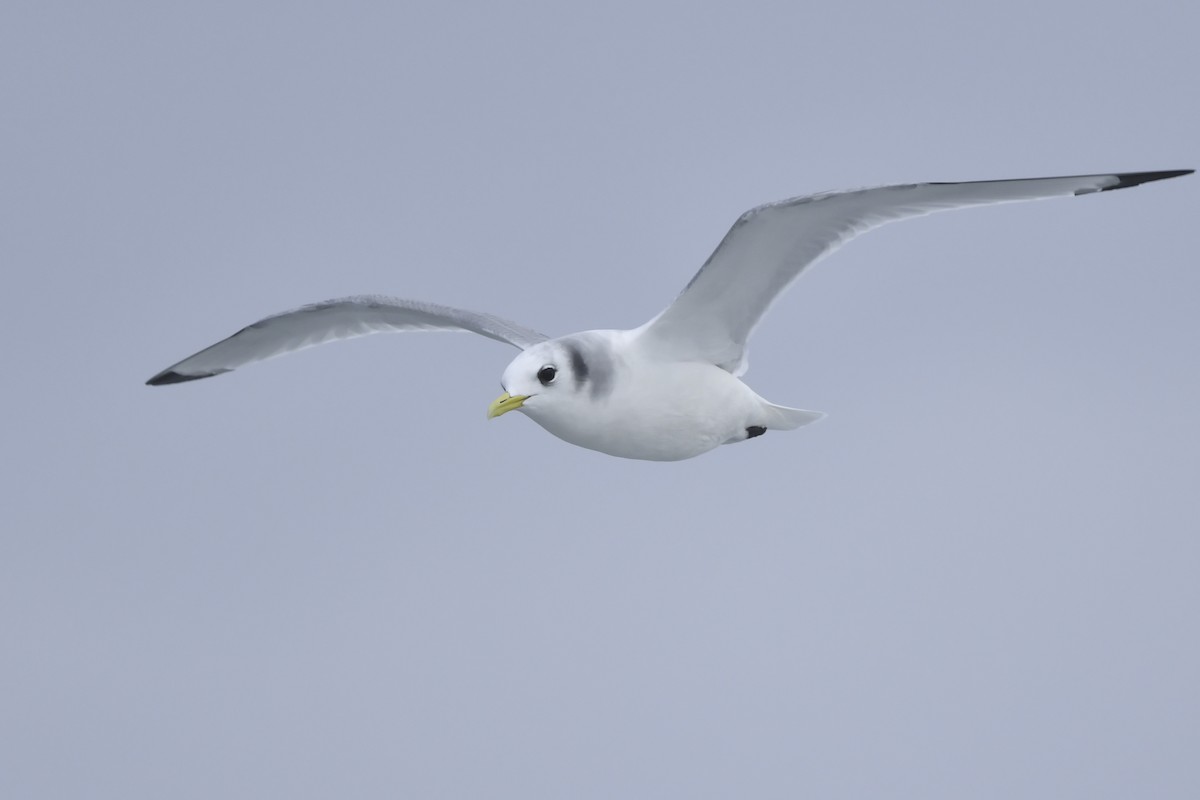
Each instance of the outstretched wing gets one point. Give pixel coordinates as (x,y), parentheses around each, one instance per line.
(770,245)
(343,318)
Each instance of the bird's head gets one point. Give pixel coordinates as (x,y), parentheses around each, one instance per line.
(556,377)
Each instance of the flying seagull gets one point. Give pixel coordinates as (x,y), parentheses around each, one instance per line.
(670,389)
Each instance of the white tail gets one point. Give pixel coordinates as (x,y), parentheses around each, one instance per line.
(782,418)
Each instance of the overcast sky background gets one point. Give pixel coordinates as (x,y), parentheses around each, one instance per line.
(329,576)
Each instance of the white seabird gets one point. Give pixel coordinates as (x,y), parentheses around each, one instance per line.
(670,389)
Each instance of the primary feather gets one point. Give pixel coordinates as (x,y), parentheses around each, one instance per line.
(769,246)
(343,318)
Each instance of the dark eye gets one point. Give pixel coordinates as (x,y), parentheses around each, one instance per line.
(546,375)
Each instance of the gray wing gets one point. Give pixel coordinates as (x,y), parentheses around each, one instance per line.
(770,245)
(343,318)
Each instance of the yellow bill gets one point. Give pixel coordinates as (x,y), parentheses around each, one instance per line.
(505,403)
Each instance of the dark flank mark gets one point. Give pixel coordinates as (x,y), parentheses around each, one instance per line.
(164,378)
(755,430)
(1125,180)
(578,365)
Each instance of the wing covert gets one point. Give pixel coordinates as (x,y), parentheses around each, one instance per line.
(342,318)
(769,246)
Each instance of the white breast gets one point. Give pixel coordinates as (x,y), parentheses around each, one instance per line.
(657,411)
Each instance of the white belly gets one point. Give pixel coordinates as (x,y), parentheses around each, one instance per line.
(660,412)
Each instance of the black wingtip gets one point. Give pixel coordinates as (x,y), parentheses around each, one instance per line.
(170,376)
(1127,179)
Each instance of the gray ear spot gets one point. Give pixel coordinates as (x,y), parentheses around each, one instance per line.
(578,365)
(591,362)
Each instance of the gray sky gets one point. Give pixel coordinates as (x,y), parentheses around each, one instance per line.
(329,575)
